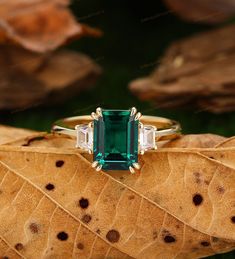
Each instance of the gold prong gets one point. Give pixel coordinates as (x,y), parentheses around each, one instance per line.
(90,151)
(132,170)
(94,116)
(76,127)
(141,125)
(90,124)
(94,164)
(98,168)
(142,152)
(137,116)
(133,111)
(99,112)
(136,166)
(155,148)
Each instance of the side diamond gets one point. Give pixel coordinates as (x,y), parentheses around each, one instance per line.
(85,137)
(147,138)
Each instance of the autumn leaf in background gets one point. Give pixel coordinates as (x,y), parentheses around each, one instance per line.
(203,11)
(196,72)
(30,32)
(58,205)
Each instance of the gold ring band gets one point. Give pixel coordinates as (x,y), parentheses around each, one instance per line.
(166,129)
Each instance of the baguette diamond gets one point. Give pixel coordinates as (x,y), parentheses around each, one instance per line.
(85,137)
(147,138)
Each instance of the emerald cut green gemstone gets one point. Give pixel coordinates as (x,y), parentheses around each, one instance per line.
(116,140)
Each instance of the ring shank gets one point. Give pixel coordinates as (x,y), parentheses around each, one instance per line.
(166,129)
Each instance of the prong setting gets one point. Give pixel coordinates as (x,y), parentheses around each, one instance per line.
(136,166)
(141,125)
(94,116)
(94,164)
(132,170)
(99,112)
(98,168)
(137,116)
(133,111)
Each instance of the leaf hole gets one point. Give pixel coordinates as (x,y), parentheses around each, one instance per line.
(233,219)
(113,236)
(80,246)
(34,228)
(86,218)
(84,203)
(19,247)
(59,163)
(62,236)
(205,243)
(197,199)
(50,187)
(169,239)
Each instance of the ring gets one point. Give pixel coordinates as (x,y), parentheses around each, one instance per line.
(116,137)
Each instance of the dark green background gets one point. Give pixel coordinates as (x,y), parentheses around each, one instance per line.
(130,48)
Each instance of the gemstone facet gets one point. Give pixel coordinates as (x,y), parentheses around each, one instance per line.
(85,137)
(116,140)
(147,138)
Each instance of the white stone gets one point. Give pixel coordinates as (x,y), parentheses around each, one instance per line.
(147,138)
(85,137)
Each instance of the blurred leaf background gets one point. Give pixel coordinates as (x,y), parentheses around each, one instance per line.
(135,36)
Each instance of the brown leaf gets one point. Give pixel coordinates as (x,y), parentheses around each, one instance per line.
(45,227)
(10,134)
(82,212)
(230,142)
(224,152)
(203,11)
(194,72)
(7,251)
(40,25)
(195,141)
(55,77)
(44,140)
(147,222)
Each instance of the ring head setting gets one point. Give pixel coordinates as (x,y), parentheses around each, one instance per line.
(116,137)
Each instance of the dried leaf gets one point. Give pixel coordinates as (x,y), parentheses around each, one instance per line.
(224,152)
(203,11)
(194,71)
(44,140)
(40,25)
(147,231)
(151,207)
(195,141)
(230,142)
(55,77)
(10,134)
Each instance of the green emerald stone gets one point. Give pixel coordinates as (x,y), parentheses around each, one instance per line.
(116,140)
